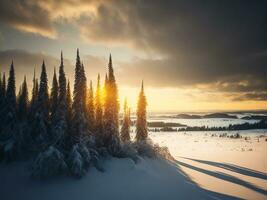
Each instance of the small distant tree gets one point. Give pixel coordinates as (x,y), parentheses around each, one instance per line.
(141,122)
(126,124)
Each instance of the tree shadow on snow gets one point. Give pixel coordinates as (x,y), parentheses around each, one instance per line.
(223,176)
(233,168)
(205,194)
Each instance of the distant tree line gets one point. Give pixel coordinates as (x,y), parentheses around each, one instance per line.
(62,131)
(175,127)
(232,127)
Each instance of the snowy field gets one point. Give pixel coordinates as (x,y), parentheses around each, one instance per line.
(236,167)
(205,166)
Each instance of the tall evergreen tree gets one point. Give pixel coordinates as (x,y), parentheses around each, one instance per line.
(111,112)
(60,122)
(10,117)
(68,105)
(91,108)
(54,98)
(33,103)
(141,122)
(23,101)
(1,94)
(83,88)
(98,114)
(11,90)
(62,108)
(2,103)
(126,124)
(62,82)
(79,122)
(2,100)
(4,85)
(39,125)
(43,96)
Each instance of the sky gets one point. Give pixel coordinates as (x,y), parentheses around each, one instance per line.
(192,55)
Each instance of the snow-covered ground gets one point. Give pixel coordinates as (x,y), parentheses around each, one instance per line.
(236,167)
(205,167)
(123,179)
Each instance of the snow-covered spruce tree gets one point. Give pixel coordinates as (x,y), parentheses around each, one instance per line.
(9,128)
(2,111)
(54,99)
(79,122)
(68,132)
(60,127)
(39,126)
(141,123)
(83,89)
(58,123)
(2,101)
(43,96)
(126,124)
(1,92)
(98,114)
(23,102)
(111,112)
(34,97)
(90,109)
(23,117)
(68,106)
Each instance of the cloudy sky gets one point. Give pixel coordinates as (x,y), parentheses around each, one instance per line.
(192,55)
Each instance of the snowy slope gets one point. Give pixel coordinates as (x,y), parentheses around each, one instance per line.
(149,179)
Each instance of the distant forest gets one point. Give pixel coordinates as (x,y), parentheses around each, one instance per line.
(172,127)
(64,133)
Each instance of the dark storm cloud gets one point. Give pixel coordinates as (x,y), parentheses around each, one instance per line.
(25,63)
(201,42)
(26,15)
(251,96)
(221,44)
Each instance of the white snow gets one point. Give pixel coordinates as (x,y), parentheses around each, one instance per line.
(205,167)
(123,179)
(235,167)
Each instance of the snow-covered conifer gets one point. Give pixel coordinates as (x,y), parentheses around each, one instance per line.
(98,114)
(111,110)
(54,99)
(79,121)
(23,101)
(141,122)
(90,109)
(126,124)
